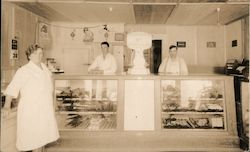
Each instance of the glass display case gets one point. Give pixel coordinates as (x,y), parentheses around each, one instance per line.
(86,104)
(157,111)
(193,104)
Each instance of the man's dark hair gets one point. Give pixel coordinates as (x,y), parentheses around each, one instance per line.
(173,46)
(105,43)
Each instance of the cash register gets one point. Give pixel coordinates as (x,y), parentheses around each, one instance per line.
(234,67)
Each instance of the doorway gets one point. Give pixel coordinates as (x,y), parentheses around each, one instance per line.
(156,56)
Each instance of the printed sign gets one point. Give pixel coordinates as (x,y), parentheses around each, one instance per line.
(211,44)
(14,44)
(44,39)
(14,51)
(234,43)
(181,44)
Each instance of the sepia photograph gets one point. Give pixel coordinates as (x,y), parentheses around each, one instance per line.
(124,76)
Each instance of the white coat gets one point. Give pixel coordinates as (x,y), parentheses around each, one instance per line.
(36,122)
(173,67)
(108,65)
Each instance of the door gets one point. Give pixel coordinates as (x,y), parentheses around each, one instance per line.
(156,55)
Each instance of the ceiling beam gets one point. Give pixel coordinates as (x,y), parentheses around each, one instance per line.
(146,3)
(239,18)
(172,12)
(133,12)
(134,3)
(103,2)
(61,1)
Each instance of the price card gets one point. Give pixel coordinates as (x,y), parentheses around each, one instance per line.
(217,122)
(14,54)
(14,51)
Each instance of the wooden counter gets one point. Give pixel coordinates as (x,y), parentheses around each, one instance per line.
(141,115)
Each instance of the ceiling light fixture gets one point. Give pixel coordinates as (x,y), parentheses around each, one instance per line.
(218,16)
(73,34)
(110,9)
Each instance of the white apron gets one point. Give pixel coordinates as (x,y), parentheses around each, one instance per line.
(173,67)
(36,123)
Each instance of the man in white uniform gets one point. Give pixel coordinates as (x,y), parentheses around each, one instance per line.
(36,123)
(173,65)
(104,63)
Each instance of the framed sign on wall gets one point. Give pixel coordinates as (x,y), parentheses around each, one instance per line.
(181,44)
(119,37)
(44,39)
(234,43)
(211,44)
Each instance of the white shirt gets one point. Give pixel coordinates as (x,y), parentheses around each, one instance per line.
(173,67)
(36,122)
(108,65)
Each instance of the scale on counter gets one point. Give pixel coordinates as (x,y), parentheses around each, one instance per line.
(139,41)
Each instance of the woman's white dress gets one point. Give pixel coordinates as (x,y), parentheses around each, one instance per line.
(36,122)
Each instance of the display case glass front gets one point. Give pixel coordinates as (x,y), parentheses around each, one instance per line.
(193,104)
(86,104)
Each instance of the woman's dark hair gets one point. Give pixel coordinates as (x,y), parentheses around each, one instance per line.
(31,49)
(173,46)
(105,43)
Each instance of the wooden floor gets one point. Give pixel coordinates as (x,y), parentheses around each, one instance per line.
(81,145)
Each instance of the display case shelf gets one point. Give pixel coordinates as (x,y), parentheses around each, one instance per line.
(212,99)
(80,121)
(87,113)
(192,104)
(79,99)
(86,104)
(192,113)
(190,121)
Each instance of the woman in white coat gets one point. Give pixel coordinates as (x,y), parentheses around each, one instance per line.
(173,65)
(36,123)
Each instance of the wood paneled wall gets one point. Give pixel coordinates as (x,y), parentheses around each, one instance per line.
(246,37)
(233,32)
(20,24)
(62,43)
(25,30)
(6,35)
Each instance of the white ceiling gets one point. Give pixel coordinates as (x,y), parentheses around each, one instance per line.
(170,12)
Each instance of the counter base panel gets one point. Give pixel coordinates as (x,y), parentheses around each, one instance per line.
(143,142)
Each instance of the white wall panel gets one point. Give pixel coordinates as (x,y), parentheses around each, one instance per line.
(233,32)
(210,56)
(139,105)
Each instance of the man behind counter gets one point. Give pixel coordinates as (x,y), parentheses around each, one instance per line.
(104,63)
(173,65)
